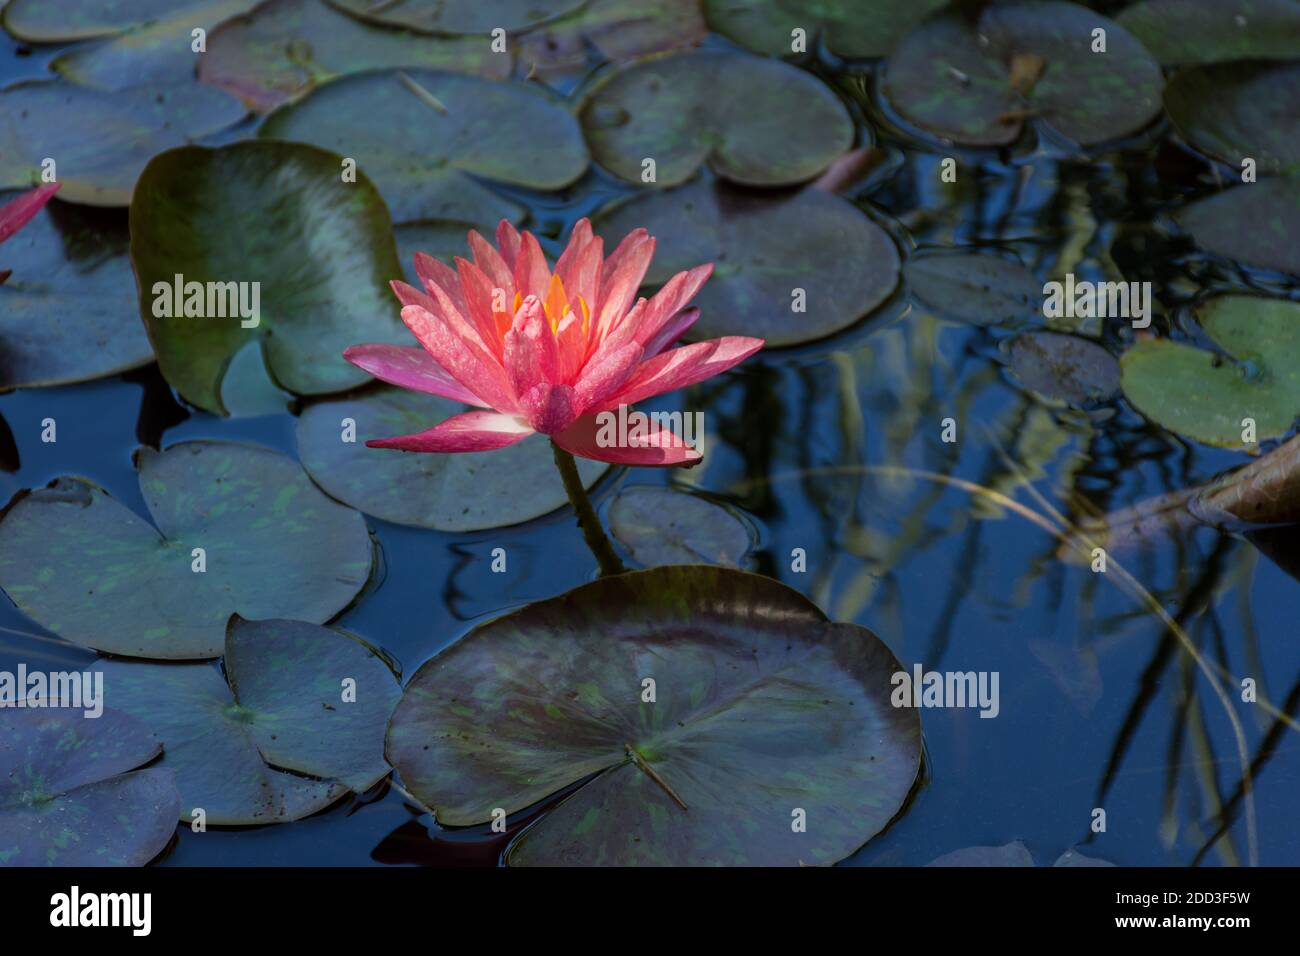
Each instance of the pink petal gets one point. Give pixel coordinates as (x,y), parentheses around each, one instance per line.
(470,431)
(508,243)
(579,267)
(604,378)
(675,295)
(529,350)
(660,447)
(437,276)
(679,367)
(532,277)
(620,278)
(671,332)
(492,264)
(479,293)
(18,211)
(550,408)
(410,367)
(462,358)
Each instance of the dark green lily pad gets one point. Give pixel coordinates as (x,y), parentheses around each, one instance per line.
(764,248)
(661,526)
(848,28)
(762,708)
(1064,367)
(1178,32)
(423,137)
(977,81)
(1205,395)
(1014,853)
(1235,111)
(617,30)
(158,51)
(320,249)
(89,569)
(463,492)
(39,21)
(983,289)
(1254,223)
(67,798)
(753,121)
(69,313)
(286,47)
(101,140)
(459,16)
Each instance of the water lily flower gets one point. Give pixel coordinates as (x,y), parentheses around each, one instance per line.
(18,212)
(542,351)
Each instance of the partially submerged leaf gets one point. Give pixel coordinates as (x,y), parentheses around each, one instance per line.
(661,526)
(1014,853)
(1254,223)
(1239,111)
(616,29)
(1065,367)
(848,28)
(1179,32)
(473,17)
(974,287)
(39,21)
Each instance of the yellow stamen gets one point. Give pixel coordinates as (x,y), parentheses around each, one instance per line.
(556,302)
(586,316)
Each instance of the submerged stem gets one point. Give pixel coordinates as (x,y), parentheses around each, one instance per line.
(592,531)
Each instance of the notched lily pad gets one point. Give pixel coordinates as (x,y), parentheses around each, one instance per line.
(763,708)
(976,81)
(1254,223)
(1238,111)
(848,28)
(753,121)
(70,794)
(1207,395)
(89,569)
(426,138)
(467,492)
(973,287)
(459,16)
(616,29)
(1064,367)
(772,255)
(1178,32)
(314,254)
(660,526)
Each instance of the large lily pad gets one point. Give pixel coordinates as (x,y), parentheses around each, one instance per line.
(39,21)
(1064,367)
(764,248)
(99,140)
(1235,111)
(762,708)
(1255,223)
(89,569)
(848,28)
(982,289)
(1178,32)
(68,313)
(286,47)
(976,81)
(1205,395)
(754,121)
(460,16)
(320,250)
(465,492)
(424,136)
(661,526)
(67,797)
(616,29)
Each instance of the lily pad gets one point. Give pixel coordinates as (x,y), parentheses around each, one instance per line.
(1014,853)
(459,16)
(660,526)
(465,492)
(1235,111)
(976,81)
(67,797)
(101,140)
(1178,32)
(1255,224)
(318,252)
(1205,395)
(1064,367)
(848,28)
(616,29)
(286,47)
(424,137)
(753,121)
(1073,857)
(39,21)
(68,312)
(983,289)
(762,708)
(765,248)
(89,569)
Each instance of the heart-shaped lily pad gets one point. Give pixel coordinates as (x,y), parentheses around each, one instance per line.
(790,268)
(616,29)
(1206,395)
(100,141)
(1238,111)
(423,137)
(754,121)
(660,526)
(465,492)
(459,16)
(315,254)
(1255,224)
(847,28)
(982,289)
(286,47)
(89,569)
(1178,32)
(68,312)
(67,797)
(976,80)
(704,711)
(1064,367)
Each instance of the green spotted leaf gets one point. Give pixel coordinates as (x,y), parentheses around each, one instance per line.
(1178,32)
(661,526)
(616,29)
(1064,367)
(1239,111)
(977,288)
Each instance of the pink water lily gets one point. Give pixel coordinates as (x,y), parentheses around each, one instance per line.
(18,212)
(543,351)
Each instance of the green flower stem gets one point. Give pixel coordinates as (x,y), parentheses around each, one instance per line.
(587,520)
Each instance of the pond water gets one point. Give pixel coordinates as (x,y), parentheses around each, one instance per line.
(1099,707)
